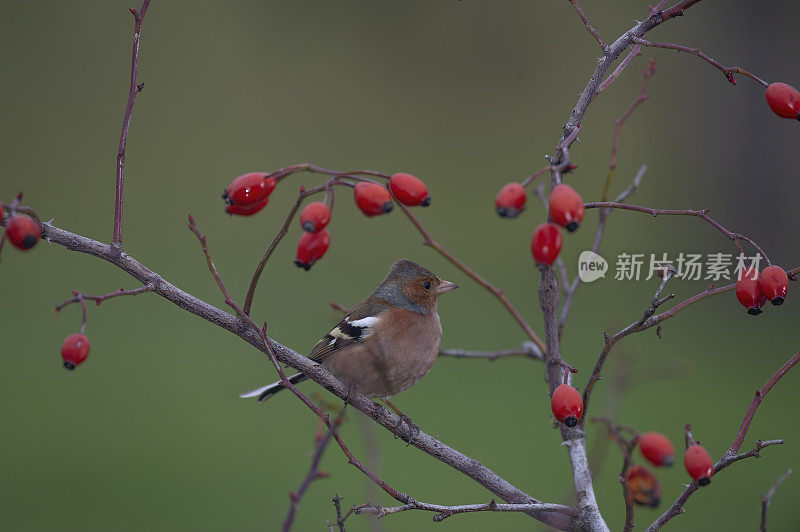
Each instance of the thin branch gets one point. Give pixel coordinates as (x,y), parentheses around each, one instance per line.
(528,349)
(313,474)
(732,454)
(626,447)
(728,72)
(530,179)
(337,503)
(589,27)
(649,70)
(702,214)
(635,52)
(443,512)
(149,287)
(759,396)
(601,226)
(655,302)
(134,89)
(766,500)
(251,290)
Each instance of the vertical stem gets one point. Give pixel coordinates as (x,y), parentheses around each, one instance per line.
(133,90)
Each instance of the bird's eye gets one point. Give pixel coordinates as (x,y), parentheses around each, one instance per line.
(426,285)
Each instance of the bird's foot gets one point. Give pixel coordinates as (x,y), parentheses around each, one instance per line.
(413,429)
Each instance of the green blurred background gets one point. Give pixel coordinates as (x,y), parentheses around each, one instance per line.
(150,434)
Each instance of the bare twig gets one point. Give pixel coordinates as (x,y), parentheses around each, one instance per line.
(649,70)
(702,214)
(601,226)
(443,512)
(589,27)
(728,72)
(530,179)
(134,89)
(251,290)
(626,447)
(527,349)
(635,52)
(766,500)
(313,474)
(78,296)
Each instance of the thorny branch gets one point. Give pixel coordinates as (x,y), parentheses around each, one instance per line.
(569,292)
(626,447)
(766,500)
(728,72)
(79,296)
(649,70)
(443,512)
(589,27)
(527,349)
(134,89)
(313,474)
(702,214)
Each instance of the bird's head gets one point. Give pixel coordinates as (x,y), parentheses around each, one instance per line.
(410,286)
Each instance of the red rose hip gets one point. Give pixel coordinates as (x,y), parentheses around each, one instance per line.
(23,231)
(566,207)
(372,198)
(774,284)
(748,291)
(698,464)
(510,201)
(409,190)
(315,216)
(74,350)
(657,449)
(642,486)
(784,100)
(546,243)
(311,248)
(249,210)
(249,189)
(567,405)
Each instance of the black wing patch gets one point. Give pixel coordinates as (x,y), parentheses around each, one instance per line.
(345,333)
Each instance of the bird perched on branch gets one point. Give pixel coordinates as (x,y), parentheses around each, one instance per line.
(386,343)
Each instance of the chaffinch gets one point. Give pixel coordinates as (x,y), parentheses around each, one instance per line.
(386,343)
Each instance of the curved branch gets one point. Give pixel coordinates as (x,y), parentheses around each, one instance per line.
(702,214)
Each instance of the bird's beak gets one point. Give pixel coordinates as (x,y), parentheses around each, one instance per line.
(446,286)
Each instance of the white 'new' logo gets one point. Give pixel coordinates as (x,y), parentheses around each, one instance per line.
(591,266)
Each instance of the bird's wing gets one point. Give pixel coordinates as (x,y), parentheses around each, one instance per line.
(357,326)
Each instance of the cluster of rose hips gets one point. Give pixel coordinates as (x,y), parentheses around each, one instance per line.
(567,406)
(249,193)
(21,230)
(566,210)
(754,289)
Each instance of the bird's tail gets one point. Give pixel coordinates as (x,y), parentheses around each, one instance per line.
(265,392)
